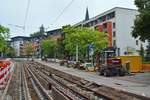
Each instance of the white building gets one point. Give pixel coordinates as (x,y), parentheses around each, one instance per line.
(118,23)
(17,44)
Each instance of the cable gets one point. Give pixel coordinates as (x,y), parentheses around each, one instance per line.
(27,11)
(69,4)
(26,15)
(18,26)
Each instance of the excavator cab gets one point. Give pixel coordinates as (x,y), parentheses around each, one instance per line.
(110,64)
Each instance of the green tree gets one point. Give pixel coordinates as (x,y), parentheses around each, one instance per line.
(4,35)
(29,49)
(141,27)
(42,29)
(82,37)
(49,48)
(142,52)
(147,57)
(40,32)
(9,52)
(61,48)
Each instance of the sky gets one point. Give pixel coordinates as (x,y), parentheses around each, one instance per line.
(13,12)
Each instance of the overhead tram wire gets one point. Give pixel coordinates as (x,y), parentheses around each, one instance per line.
(27,11)
(26,15)
(57,18)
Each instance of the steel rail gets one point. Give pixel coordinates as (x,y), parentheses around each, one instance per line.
(26,86)
(75,91)
(99,90)
(41,92)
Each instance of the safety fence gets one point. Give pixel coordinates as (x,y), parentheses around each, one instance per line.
(5,70)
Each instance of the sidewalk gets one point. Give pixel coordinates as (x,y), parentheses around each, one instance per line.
(136,88)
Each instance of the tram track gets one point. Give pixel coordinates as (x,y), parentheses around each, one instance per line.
(41,82)
(82,88)
(24,90)
(39,89)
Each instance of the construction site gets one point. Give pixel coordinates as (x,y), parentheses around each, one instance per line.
(50,51)
(49,80)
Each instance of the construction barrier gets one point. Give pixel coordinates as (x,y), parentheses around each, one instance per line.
(145,67)
(5,69)
(135,62)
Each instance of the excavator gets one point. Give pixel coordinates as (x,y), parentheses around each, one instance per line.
(110,64)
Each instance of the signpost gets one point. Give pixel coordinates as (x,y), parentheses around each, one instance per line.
(91,52)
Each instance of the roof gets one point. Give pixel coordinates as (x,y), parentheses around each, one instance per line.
(54,32)
(19,37)
(38,36)
(93,18)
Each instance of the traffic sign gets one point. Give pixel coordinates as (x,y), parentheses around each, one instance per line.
(91,51)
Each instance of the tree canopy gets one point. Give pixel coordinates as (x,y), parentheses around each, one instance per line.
(9,52)
(83,37)
(141,27)
(4,35)
(48,47)
(40,32)
(29,49)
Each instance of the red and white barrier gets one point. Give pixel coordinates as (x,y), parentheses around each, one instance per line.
(5,71)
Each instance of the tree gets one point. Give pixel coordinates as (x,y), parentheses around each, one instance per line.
(142,52)
(4,35)
(9,52)
(40,32)
(81,38)
(29,49)
(42,29)
(141,27)
(61,48)
(49,48)
(147,57)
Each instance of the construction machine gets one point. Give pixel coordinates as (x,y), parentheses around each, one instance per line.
(110,64)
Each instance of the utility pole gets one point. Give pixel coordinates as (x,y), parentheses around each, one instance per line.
(77,52)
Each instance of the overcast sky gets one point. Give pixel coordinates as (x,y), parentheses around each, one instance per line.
(12,12)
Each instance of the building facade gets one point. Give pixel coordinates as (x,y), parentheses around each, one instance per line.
(35,40)
(54,34)
(18,43)
(117,23)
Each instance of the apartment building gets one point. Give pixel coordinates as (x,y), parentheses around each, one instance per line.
(117,23)
(18,43)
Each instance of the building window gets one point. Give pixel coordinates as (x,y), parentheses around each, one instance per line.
(137,42)
(114,43)
(104,18)
(114,34)
(86,25)
(110,15)
(114,25)
(91,23)
(104,25)
(100,19)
